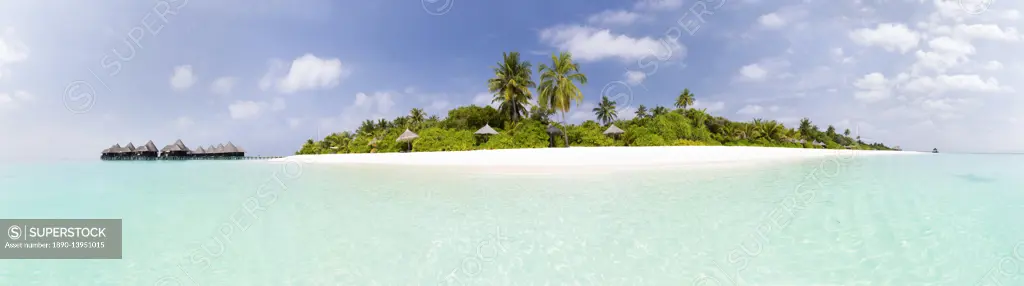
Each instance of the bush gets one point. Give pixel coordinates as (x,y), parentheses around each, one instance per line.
(589,134)
(684,142)
(650,140)
(440,139)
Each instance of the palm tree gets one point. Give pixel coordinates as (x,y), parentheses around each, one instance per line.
(417,116)
(685,99)
(806,129)
(511,85)
(847,132)
(772,130)
(699,116)
(557,89)
(641,112)
(659,110)
(605,111)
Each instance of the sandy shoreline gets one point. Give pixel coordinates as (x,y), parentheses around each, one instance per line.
(590,157)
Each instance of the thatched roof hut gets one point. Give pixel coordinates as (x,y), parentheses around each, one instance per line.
(129,147)
(613,130)
(230,148)
(150,146)
(554,130)
(408,135)
(113,149)
(181,145)
(486,130)
(199,150)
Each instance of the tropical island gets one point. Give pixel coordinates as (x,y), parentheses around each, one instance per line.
(517,123)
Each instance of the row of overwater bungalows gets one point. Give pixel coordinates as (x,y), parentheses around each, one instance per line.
(176,151)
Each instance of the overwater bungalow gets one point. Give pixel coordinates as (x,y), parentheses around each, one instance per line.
(174,151)
(230,150)
(199,153)
(147,151)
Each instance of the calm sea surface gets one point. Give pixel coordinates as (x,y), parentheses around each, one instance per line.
(941,219)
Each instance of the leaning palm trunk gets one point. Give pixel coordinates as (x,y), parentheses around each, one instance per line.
(565,131)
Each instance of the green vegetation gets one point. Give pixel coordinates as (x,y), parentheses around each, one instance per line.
(523,126)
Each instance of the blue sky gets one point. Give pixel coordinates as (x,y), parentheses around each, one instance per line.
(267,75)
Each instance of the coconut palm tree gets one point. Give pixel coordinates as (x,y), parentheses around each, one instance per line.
(770,129)
(685,99)
(557,89)
(847,132)
(416,117)
(659,110)
(605,111)
(641,112)
(513,79)
(806,129)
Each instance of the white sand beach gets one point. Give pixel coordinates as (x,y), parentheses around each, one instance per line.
(613,157)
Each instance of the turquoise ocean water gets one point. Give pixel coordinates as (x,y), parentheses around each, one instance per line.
(943,219)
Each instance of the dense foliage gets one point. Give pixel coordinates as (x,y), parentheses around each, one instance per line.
(523,126)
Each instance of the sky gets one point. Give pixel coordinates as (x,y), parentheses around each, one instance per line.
(77,77)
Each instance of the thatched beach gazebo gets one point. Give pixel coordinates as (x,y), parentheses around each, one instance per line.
(614,131)
(486,132)
(407,137)
(552,132)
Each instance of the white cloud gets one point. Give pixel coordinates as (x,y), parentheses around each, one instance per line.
(307,72)
(765,69)
(771,21)
(12,50)
(613,17)
(711,107)
(985,32)
(583,112)
(223,85)
(15,99)
(593,44)
(993,65)
(635,77)
(750,109)
(947,83)
(253,109)
(183,78)
(484,99)
(753,72)
(873,87)
(889,36)
(658,4)
(381,102)
(438,105)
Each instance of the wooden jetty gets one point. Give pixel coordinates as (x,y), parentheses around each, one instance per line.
(177,151)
